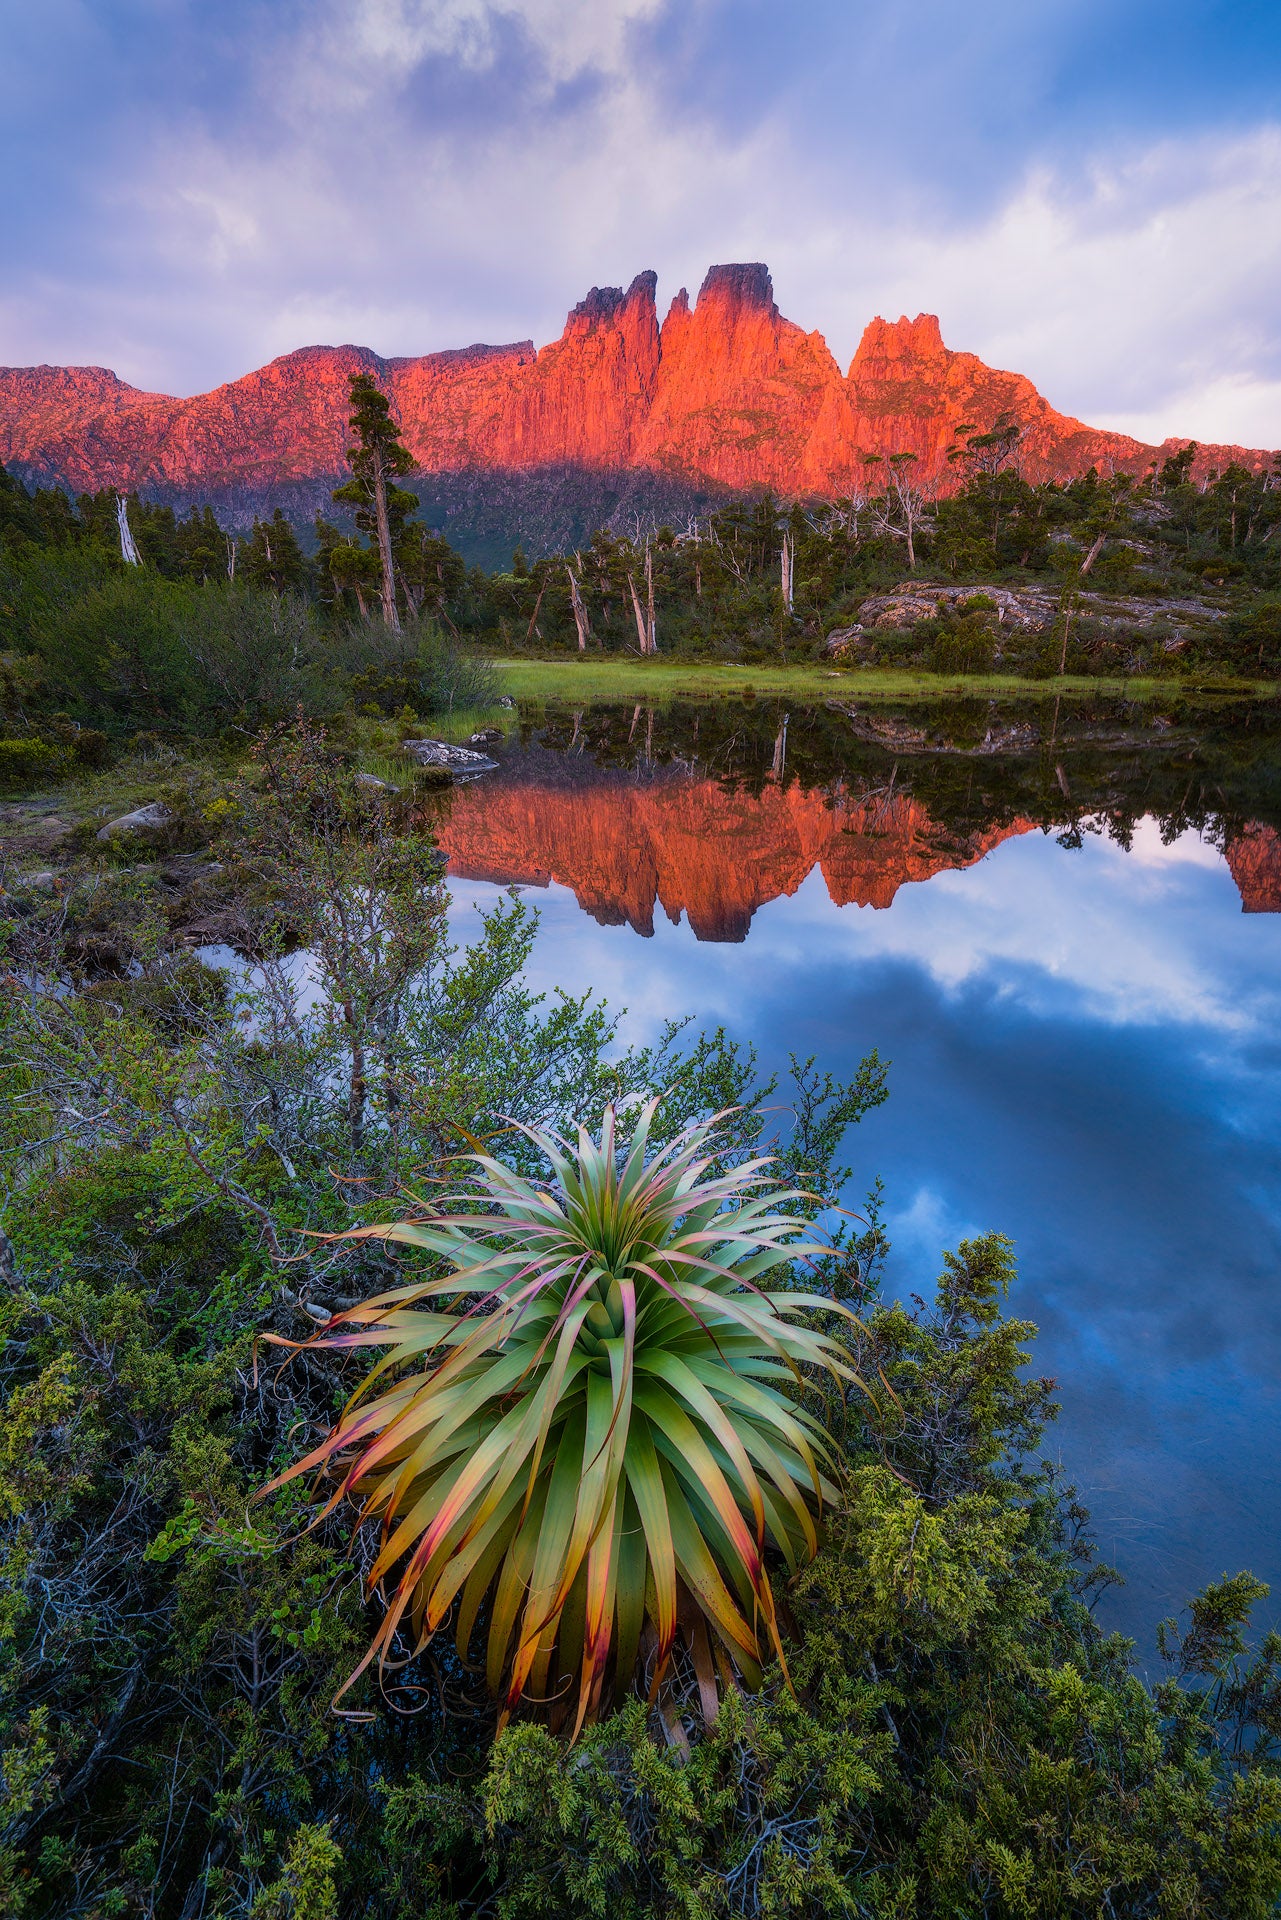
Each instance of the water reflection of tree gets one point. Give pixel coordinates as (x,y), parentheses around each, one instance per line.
(1078,766)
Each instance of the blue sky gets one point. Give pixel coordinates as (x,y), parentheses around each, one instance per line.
(1088,191)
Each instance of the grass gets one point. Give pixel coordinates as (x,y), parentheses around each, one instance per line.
(636,679)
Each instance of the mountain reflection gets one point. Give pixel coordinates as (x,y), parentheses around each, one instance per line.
(713,811)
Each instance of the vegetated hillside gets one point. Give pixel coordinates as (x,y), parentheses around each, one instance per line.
(620,415)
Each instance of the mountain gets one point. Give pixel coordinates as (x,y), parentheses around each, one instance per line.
(620,413)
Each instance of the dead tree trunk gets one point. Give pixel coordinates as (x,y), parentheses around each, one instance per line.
(128,551)
(391,613)
(786,562)
(1093,554)
(652,645)
(581,622)
(780,752)
(533,618)
(642,638)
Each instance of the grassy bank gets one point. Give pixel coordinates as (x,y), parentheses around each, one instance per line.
(636,679)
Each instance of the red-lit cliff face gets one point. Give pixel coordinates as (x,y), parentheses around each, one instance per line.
(1254,856)
(689,845)
(725,393)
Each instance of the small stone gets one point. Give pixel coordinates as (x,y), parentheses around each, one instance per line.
(373,784)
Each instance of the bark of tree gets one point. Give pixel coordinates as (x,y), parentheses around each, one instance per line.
(391,613)
(533,618)
(581,622)
(652,631)
(641,637)
(1093,554)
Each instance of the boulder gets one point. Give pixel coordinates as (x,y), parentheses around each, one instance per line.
(464,763)
(147,819)
(373,784)
(1019,609)
(842,641)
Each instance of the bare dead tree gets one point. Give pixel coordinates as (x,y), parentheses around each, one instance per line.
(901,512)
(128,551)
(649,598)
(533,618)
(779,764)
(581,622)
(641,636)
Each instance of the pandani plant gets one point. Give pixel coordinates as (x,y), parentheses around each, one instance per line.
(584,1434)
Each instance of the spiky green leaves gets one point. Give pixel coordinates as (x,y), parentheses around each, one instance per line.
(586,1427)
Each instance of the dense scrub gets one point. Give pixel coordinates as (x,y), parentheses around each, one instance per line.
(187,644)
(211,632)
(959,1736)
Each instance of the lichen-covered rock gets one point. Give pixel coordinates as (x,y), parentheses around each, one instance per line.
(1019,609)
(843,641)
(146,819)
(462,762)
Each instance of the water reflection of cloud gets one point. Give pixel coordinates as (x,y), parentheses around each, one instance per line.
(1085,1056)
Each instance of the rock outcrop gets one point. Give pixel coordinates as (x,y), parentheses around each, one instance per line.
(725,394)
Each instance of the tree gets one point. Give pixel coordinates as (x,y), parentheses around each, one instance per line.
(376,461)
(273,557)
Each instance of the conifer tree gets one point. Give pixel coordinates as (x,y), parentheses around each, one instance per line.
(377,460)
(273,557)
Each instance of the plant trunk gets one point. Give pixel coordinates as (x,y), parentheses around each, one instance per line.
(640,617)
(649,600)
(391,613)
(1092,555)
(529,631)
(780,751)
(581,621)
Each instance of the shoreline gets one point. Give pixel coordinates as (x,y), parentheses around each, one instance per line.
(634,679)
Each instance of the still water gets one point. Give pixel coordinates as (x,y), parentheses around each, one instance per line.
(1065,933)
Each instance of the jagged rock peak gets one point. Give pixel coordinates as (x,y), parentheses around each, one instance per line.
(744,283)
(602,304)
(901,339)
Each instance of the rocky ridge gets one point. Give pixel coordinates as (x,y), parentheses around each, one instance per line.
(725,394)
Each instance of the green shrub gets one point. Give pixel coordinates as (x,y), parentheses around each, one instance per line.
(25,762)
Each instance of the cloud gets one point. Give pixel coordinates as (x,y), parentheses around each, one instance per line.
(416,174)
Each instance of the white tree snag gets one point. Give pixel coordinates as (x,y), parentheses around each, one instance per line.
(652,646)
(581,622)
(128,551)
(642,637)
(780,752)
